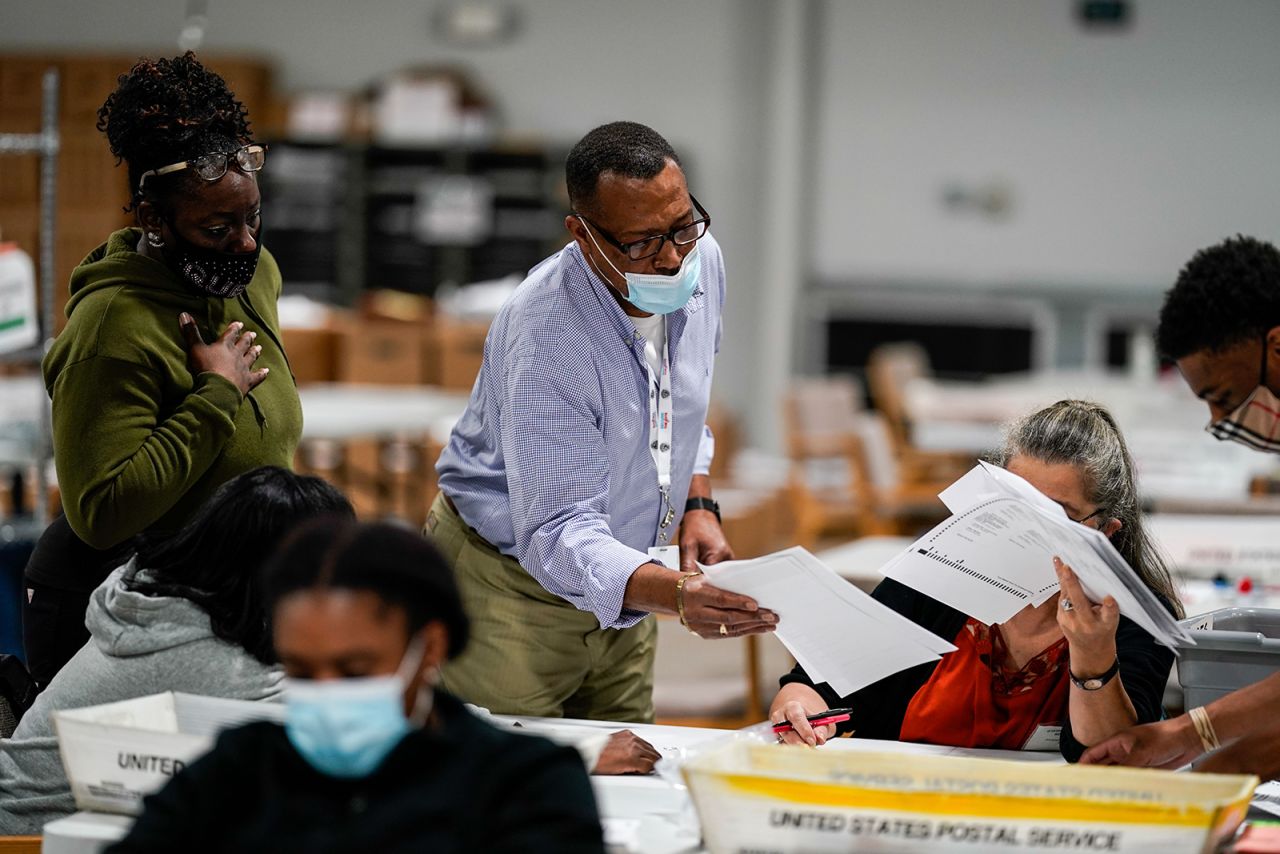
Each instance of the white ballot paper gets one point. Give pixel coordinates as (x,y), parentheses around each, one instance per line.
(839,634)
(1267,797)
(994,556)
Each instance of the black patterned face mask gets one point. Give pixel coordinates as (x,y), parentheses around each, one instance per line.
(219,274)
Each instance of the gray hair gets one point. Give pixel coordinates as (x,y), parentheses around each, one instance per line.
(1084,434)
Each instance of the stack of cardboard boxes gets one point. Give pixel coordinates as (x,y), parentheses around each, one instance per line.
(393,339)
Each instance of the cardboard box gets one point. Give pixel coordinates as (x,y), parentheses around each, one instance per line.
(21,225)
(90,183)
(389,478)
(383,352)
(22,84)
(387,304)
(20,182)
(766,797)
(252,80)
(312,353)
(454,353)
(118,753)
(86,83)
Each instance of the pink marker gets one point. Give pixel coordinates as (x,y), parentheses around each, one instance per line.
(830,716)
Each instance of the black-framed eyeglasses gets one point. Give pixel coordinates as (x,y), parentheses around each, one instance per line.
(212,166)
(647,247)
(1100,513)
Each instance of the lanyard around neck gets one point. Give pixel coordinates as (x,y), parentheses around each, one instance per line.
(660,435)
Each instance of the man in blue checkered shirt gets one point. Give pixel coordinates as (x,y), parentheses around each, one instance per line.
(583,456)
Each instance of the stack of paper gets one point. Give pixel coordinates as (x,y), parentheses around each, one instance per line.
(839,634)
(1267,797)
(994,556)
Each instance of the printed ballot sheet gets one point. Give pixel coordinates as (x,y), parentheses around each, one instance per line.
(839,634)
(1267,797)
(994,556)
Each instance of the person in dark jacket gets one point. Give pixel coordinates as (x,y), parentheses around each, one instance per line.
(1068,673)
(371,756)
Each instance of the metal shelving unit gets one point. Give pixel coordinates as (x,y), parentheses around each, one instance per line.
(46,144)
(372,237)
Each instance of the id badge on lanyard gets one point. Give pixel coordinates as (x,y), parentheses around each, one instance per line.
(660,435)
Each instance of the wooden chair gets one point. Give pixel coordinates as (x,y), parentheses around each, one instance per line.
(828,472)
(847,478)
(895,506)
(728,683)
(890,369)
(716,683)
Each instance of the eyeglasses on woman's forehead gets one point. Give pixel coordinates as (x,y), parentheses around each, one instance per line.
(212,166)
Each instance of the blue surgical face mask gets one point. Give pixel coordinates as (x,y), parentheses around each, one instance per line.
(654,292)
(346,727)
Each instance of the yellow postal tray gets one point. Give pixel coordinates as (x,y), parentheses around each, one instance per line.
(775,799)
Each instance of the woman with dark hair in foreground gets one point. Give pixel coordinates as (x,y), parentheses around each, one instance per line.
(372,756)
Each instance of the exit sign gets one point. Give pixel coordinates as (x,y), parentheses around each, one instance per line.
(1108,15)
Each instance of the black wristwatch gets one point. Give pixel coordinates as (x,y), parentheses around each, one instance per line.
(1093,683)
(703,504)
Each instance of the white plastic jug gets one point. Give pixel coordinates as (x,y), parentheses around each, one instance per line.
(19,327)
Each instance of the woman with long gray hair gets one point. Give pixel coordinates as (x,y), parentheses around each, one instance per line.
(1062,675)
(1083,434)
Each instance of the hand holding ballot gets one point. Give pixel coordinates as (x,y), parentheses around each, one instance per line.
(994,556)
(1089,627)
(831,627)
(711,611)
(1056,617)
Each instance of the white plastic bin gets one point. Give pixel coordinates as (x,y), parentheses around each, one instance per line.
(118,753)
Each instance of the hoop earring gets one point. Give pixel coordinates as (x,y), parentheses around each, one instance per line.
(154,240)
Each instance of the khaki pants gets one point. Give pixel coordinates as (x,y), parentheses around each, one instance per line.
(531,652)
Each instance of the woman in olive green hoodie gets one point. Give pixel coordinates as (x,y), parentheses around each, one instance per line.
(148,419)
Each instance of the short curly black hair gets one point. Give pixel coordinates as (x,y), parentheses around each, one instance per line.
(628,149)
(168,110)
(1226,294)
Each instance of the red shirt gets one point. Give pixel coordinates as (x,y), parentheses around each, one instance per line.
(972,700)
